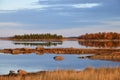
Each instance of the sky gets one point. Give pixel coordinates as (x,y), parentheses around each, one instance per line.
(65,17)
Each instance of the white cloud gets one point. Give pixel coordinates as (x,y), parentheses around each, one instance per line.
(86,5)
(48,0)
(12,24)
(6,5)
(79,5)
(12,5)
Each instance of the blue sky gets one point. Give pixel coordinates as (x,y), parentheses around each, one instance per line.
(66,17)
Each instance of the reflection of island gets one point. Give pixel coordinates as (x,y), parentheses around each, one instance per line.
(100,44)
(38,43)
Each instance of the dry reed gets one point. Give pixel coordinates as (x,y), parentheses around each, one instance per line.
(87,74)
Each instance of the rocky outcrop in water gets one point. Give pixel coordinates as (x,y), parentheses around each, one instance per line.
(42,50)
(114,56)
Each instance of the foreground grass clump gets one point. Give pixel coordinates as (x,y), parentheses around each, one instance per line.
(87,74)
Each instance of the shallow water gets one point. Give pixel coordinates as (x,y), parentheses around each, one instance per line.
(59,44)
(33,62)
(20,44)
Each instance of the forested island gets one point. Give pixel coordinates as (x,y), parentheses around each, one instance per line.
(100,36)
(37,37)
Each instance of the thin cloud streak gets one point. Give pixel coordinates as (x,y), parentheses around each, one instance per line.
(79,5)
(86,5)
(12,6)
(19,5)
(12,24)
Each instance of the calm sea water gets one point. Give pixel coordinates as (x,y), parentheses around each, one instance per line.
(33,62)
(33,44)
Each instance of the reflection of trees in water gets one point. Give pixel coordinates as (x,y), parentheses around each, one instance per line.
(100,44)
(39,44)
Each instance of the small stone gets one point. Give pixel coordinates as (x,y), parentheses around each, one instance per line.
(11,72)
(58,58)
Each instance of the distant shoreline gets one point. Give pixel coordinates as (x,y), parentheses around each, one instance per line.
(64,39)
(100,36)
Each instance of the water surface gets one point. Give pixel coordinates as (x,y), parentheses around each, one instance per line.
(33,62)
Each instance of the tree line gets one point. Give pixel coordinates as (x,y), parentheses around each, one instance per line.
(37,36)
(100,36)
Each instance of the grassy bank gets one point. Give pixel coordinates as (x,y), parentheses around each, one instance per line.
(87,74)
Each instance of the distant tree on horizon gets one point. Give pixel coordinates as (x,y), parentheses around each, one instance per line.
(37,36)
(100,36)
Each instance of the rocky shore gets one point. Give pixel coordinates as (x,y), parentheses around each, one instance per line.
(42,50)
(98,54)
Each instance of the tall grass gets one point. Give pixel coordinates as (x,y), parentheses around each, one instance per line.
(87,74)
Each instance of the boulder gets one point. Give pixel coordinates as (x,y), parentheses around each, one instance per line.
(58,58)
(11,72)
(22,72)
